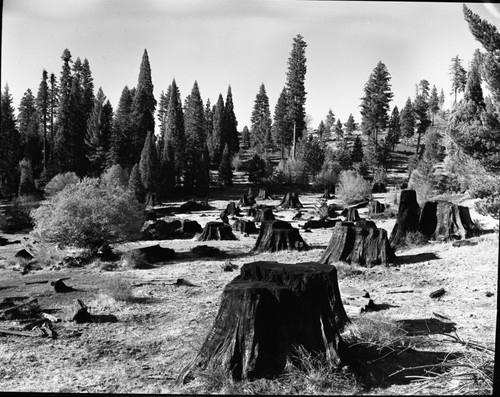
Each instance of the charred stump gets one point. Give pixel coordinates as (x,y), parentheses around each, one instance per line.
(351,214)
(445,221)
(245,226)
(375,207)
(246,201)
(264,194)
(408,217)
(291,200)
(326,211)
(217,231)
(266,312)
(264,214)
(320,224)
(232,209)
(277,236)
(366,246)
(379,187)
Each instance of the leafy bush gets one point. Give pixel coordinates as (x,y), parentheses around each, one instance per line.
(17,217)
(115,176)
(87,214)
(353,188)
(59,182)
(423,180)
(291,172)
(328,177)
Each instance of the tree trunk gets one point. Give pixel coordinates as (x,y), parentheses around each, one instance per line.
(326,193)
(291,200)
(445,221)
(266,312)
(366,246)
(375,207)
(408,217)
(264,194)
(326,211)
(245,226)
(217,231)
(232,210)
(264,214)
(277,236)
(351,214)
(246,201)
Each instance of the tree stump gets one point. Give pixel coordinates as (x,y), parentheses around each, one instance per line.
(277,236)
(365,223)
(445,221)
(326,211)
(155,253)
(264,194)
(217,231)
(246,201)
(375,207)
(267,311)
(408,217)
(264,214)
(379,187)
(245,226)
(320,224)
(224,218)
(232,210)
(351,214)
(291,200)
(366,246)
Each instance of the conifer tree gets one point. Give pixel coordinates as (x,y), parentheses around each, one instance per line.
(473,90)
(261,121)
(433,103)
(441,100)
(42,106)
(10,146)
(135,184)
(394,131)
(407,120)
(350,125)
(216,138)
(421,108)
(209,119)
(357,151)
(87,82)
(26,182)
(321,130)
(120,151)
(423,89)
(77,122)
(225,169)
(375,103)
(148,165)
(143,108)
(313,154)
(162,110)
(329,124)
(245,138)
(339,133)
(28,121)
(231,124)
(344,155)
(282,128)
(53,106)
(458,76)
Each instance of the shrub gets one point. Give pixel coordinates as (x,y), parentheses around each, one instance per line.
(87,214)
(134,260)
(423,180)
(291,172)
(17,217)
(414,239)
(328,176)
(258,169)
(59,182)
(353,188)
(375,329)
(115,176)
(120,290)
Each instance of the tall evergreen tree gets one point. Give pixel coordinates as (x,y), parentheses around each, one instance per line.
(10,146)
(120,151)
(458,76)
(473,90)
(394,131)
(87,83)
(148,165)
(321,130)
(225,169)
(135,183)
(407,120)
(197,172)
(98,137)
(77,122)
(143,108)
(424,90)
(357,151)
(350,125)
(162,111)
(42,106)
(441,100)
(339,132)
(216,138)
(375,103)
(295,85)
(282,127)
(421,110)
(29,120)
(261,121)
(245,138)
(26,182)
(433,103)
(53,106)
(329,124)
(231,124)
(209,118)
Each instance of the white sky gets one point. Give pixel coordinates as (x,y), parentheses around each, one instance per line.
(242,43)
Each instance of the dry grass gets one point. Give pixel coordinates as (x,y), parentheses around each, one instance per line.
(134,260)
(414,239)
(120,290)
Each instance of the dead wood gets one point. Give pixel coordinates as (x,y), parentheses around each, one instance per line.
(217,231)
(245,226)
(60,287)
(375,207)
(351,214)
(16,332)
(205,251)
(437,293)
(320,224)
(408,217)
(278,235)
(23,310)
(246,200)
(264,194)
(264,214)
(291,200)
(79,312)
(232,209)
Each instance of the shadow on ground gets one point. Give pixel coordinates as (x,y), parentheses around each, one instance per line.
(416,258)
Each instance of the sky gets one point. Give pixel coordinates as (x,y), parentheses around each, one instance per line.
(242,43)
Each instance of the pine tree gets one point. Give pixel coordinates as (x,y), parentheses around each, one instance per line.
(441,100)
(135,184)
(28,121)
(321,130)
(53,106)
(423,89)
(245,138)
(329,124)
(209,119)
(231,124)
(148,165)
(120,151)
(473,90)
(143,108)
(77,122)
(42,106)
(458,76)
(313,155)
(357,151)
(295,85)
(87,83)
(394,131)
(421,109)
(375,103)
(216,138)
(344,155)
(225,169)
(338,131)
(97,139)
(407,120)
(26,182)
(433,103)
(282,128)
(350,125)
(261,121)
(10,146)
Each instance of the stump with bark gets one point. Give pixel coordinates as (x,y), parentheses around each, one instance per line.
(264,214)
(232,209)
(375,207)
(408,217)
(245,226)
(291,200)
(264,194)
(379,187)
(326,211)
(246,201)
(267,311)
(351,214)
(217,231)
(366,246)
(277,236)
(445,221)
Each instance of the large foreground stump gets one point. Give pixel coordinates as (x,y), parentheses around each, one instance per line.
(277,236)
(445,221)
(267,311)
(364,245)
(408,217)
(217,231)
(291,200)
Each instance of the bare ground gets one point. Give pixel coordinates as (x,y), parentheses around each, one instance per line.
(161,330)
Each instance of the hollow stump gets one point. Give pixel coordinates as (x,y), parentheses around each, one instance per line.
(268,310)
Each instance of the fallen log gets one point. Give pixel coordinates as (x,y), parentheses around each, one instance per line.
(16,332)
(437,293)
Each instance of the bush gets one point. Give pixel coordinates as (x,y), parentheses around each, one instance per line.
(291,172)
(423,180)
(353,188)
(328,177)
(258,169)
(17,217)
(87,214)
(414,239)
(115,176)
(120,290)
(59,182)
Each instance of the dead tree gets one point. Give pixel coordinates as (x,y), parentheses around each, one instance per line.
(245,226)
(217,231)
(351,214)
(366,246)
(408,217)
(264,194)
(375,207)
(445,221)
(277,236)
(232,209)
(266,312)
(291,200)
(264,214)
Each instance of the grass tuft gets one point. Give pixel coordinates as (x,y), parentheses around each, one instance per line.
(120,290)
